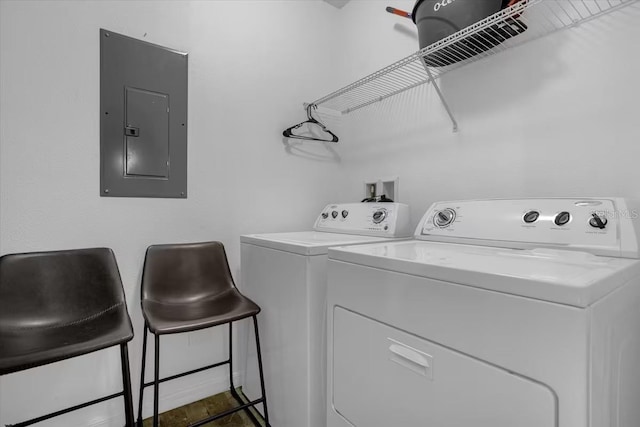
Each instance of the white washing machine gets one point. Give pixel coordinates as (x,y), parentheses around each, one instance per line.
(285,274)
(501,313)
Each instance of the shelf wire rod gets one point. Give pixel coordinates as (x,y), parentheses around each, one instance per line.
(413,71)
(367,90)
(397,81)
(437,72)
(466,51)
(598,5)
(547,16)
(454,55)
(391,80)
(364,80)
(382,86)
(388,84)
(365,94)
(574,7)
(444,102)
(566,12)
(446,59)
(417,72)
(393,87)
(492,41)
(544,24)
(412,75)
(408,75)
(621,4)
(570,21)
(373,101)
(462,51)
(547,21)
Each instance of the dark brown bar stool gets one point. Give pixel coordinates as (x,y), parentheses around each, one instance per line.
(59,305)
(187,287)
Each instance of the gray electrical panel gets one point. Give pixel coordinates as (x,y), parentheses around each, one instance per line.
(143,118)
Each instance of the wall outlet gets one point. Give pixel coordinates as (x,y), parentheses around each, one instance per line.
(382,186)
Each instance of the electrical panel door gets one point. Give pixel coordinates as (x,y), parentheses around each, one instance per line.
(143,119)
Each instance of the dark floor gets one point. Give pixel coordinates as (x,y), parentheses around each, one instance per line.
(196,411)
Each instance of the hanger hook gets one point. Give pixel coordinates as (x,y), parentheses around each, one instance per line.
(309,107)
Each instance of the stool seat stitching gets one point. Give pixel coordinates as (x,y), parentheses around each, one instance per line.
(75,322)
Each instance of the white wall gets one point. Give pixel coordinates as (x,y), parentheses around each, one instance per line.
(557,116)
(251,65)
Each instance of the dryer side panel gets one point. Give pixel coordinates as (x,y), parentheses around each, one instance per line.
(277,282)
(615,343)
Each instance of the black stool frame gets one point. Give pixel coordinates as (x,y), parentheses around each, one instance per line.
(126,393)
(157,380)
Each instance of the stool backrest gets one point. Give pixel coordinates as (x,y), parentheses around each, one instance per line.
(42,289)
(186,272)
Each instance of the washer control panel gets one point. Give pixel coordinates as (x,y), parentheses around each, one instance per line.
(599,226)
(369,219)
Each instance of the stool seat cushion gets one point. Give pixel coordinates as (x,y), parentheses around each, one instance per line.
(227,306)
(59,304)
(24,348)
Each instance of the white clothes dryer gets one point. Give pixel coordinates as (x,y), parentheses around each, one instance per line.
(285,274)
(501,313)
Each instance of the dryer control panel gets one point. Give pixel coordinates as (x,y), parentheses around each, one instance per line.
(606,226)
(368,219)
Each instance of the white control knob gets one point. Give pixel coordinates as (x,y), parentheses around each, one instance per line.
(598,221)
(444,218)
(379,216)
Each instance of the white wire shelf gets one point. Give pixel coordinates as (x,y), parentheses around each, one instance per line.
(525,21)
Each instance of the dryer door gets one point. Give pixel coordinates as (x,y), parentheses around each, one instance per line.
(385,377)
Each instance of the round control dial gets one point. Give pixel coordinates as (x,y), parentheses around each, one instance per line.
(334,214)
(562,218)
(325,215)
(345,213)
(531,217)
(598,221)
(444,218)
(379,216)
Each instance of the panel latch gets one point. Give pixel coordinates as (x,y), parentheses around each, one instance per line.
(131,131)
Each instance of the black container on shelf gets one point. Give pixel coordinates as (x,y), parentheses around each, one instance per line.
(437,19)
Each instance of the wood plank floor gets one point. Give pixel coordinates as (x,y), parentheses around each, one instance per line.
(183,416)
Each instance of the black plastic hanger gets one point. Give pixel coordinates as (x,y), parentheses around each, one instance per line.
(287,132)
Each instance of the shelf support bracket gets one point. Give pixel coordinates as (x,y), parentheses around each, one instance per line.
(437,88)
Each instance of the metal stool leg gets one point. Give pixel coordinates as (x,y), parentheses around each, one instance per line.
(144,358)
(264,393)
(231,359)
(126,384)
(232,387)
(156,381)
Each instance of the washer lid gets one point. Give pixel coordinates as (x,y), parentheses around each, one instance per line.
(307,242)
(561,276)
